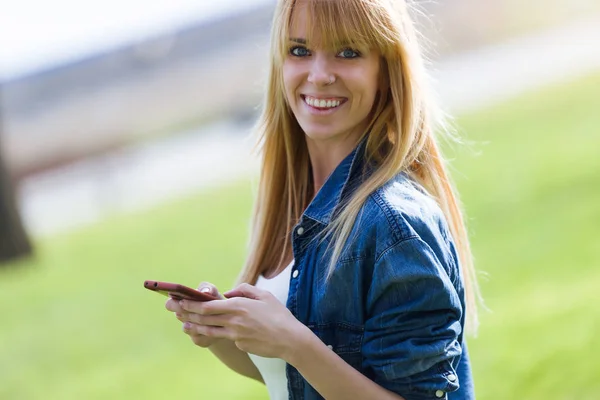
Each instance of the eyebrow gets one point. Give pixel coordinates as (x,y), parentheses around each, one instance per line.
(345,43)
(298,40)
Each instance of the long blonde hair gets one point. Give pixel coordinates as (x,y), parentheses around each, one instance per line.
(401,134)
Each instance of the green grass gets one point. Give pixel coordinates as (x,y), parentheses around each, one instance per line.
(533,197)
(77,324)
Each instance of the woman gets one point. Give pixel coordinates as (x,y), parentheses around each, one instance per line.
(356,228)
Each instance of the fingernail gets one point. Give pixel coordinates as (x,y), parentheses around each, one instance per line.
(187,326)
(205,290)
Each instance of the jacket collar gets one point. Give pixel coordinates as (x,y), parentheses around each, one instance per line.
(339,186)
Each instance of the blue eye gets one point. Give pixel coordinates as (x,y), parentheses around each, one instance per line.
(348,53)
(299,51)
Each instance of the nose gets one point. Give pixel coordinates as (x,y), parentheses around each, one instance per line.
(320,71)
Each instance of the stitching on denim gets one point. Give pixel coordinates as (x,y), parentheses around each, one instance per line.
(397,243)
(381,203)
(356,333)
(341,324)
(352,258)
(313,219)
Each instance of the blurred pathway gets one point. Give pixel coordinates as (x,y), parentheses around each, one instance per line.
(142,177)
(478,79)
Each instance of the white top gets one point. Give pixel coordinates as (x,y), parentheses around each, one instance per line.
(273,369)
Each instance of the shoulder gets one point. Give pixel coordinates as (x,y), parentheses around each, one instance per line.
(402,210)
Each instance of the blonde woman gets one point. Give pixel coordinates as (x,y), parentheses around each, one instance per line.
(359,278)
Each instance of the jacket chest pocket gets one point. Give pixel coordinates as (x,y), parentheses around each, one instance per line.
(344,339)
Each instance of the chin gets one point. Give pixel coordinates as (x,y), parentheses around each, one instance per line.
(319,135)
(319,132)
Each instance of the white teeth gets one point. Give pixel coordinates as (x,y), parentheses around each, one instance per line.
(311,101)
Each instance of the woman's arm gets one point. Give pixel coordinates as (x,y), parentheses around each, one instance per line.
(331,376)
(237,360)
(413,302)
(412,308)
(258,323)
(225,350)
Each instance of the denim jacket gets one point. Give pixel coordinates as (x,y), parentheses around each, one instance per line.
(394,306)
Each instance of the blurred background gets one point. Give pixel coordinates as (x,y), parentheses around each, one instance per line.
(125,155)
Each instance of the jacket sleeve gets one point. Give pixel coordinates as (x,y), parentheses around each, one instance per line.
(413,323)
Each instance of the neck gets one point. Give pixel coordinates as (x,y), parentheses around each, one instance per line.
(325,156)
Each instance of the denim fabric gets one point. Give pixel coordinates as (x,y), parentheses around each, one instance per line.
(394,306)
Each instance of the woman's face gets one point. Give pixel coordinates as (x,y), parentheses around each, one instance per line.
(331,93)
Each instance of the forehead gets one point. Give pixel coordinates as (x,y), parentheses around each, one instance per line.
(302,24)
(299,18)
(316,23)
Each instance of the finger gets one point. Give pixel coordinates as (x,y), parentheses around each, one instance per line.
(206,287)
(209,320)
(173,305)
(218,332)
(201,340)
(214,307)
(183,316)
(246,290)
(195,307)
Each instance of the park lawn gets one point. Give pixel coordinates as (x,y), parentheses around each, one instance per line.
(77,324)
(533,197)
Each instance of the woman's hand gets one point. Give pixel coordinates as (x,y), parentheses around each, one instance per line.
(188,325)
(252,318)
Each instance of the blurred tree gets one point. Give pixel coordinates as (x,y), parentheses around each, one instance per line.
(14,241)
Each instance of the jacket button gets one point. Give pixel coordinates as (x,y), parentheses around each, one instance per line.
(439,394)
(451,377)
(330,347)
(295,274)
(300,231)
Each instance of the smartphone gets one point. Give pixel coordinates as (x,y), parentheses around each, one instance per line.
(177,291)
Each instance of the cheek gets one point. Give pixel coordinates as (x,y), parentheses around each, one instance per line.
(371,86)
(370,74)
(365,88)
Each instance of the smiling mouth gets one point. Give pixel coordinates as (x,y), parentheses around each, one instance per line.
(324,103)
